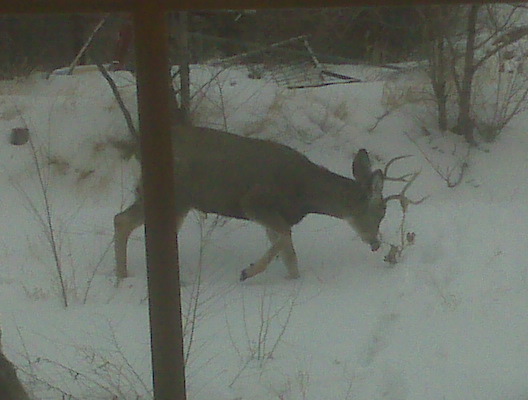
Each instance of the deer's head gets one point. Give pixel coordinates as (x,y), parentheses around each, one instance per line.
(367,219)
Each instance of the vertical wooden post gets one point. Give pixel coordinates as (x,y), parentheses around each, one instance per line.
(158,186)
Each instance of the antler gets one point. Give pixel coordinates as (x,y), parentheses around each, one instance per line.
(403,178)
(404,200)
(408,178)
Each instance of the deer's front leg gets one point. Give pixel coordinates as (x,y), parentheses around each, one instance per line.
(287,252)
(263,207)
(262,263)
(124,224)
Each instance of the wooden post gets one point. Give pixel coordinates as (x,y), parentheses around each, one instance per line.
(151,32)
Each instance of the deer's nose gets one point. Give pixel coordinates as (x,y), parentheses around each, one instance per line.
(375,245)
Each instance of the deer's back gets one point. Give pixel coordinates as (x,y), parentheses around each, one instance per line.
(217,170)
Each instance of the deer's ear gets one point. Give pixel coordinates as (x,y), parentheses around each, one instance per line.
(361,168)
(376,187)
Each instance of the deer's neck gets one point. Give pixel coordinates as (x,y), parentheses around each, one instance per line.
(334,195)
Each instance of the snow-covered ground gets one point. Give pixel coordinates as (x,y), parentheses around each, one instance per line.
(448,322)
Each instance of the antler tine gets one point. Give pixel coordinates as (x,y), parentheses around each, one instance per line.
(403,178)
(404,200)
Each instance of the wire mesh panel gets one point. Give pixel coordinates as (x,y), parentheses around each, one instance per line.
(290,63)
(291,67)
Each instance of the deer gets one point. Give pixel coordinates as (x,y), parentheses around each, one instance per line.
(268,183)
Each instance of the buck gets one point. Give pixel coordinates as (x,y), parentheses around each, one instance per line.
(268,183)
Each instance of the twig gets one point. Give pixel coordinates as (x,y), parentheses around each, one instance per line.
(130,367)
(49,224)
(222,105)
(87,44)
(284,325)
(47,219)
(92,276)
(446,176)
(406,239)
(119,99)
(24,347)
(209,82)
(378,120)
(192,312)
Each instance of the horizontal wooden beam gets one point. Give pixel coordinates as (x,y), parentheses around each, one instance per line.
(88,6)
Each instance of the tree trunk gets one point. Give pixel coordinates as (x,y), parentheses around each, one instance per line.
(465,123)
(435,25)
(439,82)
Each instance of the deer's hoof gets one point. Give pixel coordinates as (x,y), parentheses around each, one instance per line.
(243,275)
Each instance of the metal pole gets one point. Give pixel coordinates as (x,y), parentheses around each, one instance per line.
(158,186)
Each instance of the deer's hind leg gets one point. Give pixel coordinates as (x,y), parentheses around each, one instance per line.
(124,224)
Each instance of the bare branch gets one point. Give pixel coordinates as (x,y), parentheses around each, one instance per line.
(119,99)
(498,26)
(445,175)
(510,37)
(379,119)
(87,44)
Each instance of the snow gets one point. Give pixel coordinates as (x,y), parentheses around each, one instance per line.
(449,321)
